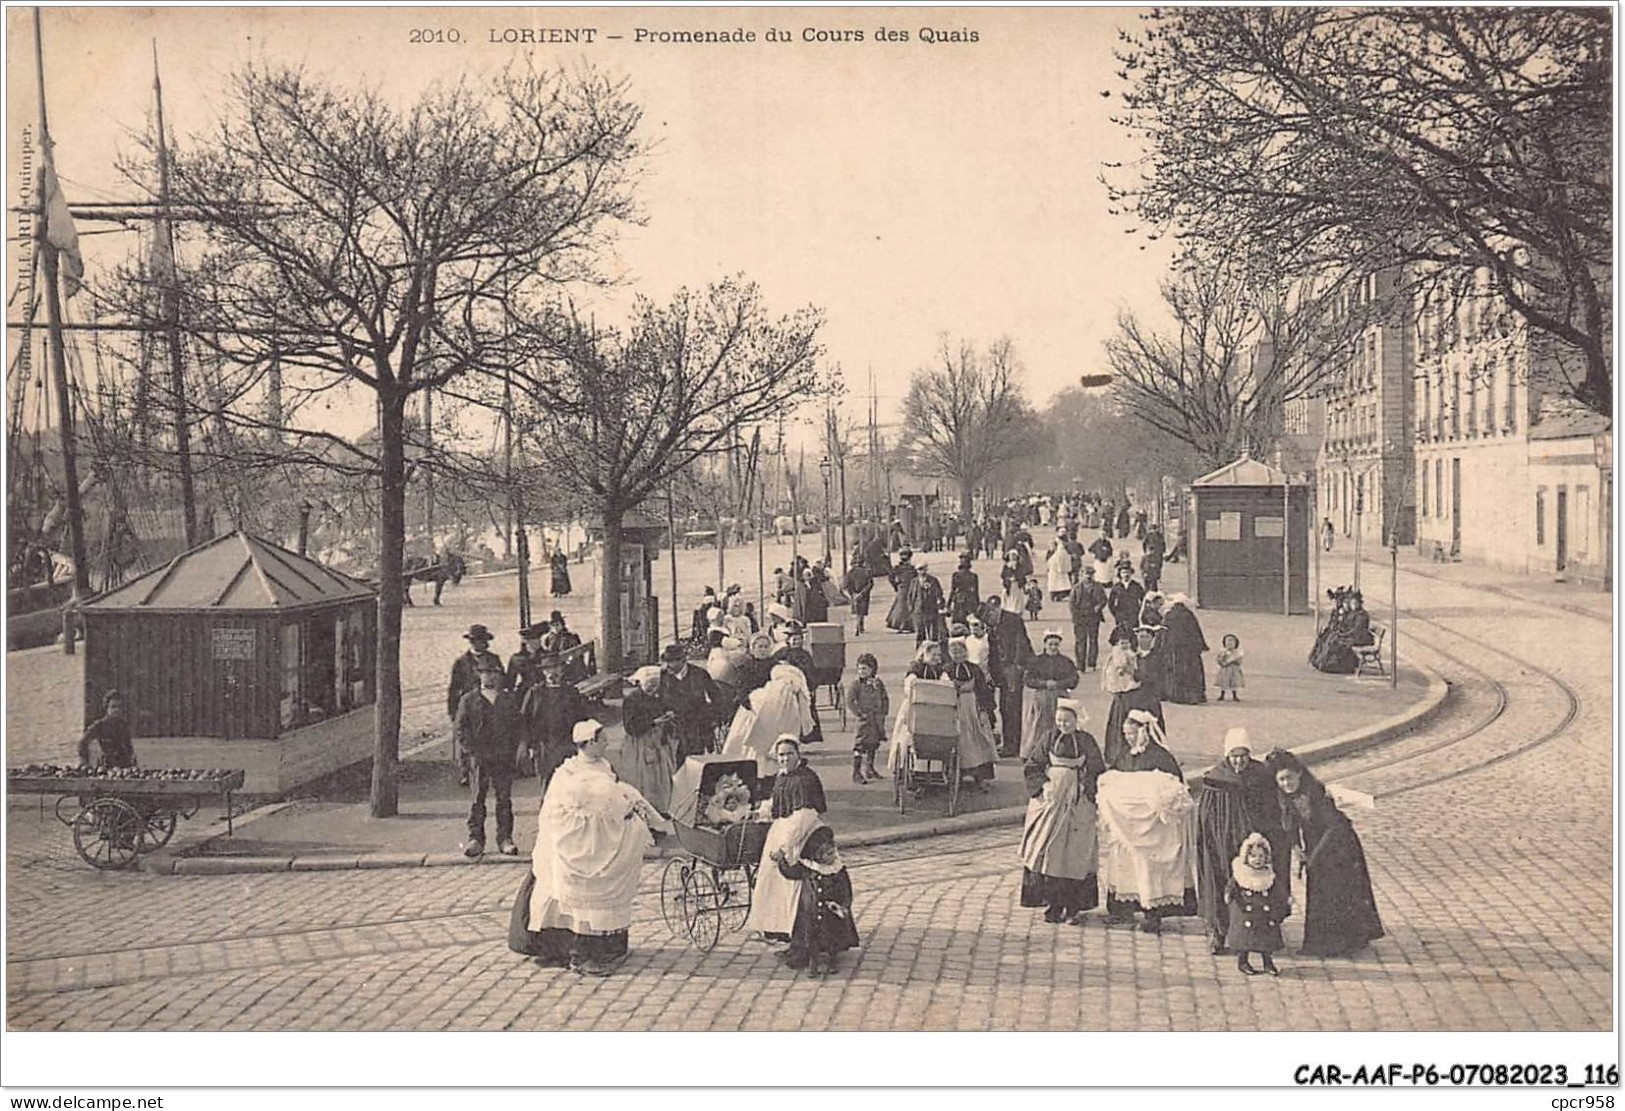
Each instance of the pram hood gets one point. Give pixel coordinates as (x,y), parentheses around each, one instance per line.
(697,780)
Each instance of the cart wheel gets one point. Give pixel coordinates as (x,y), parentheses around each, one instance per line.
(671,895)
(952,764)
(902,782)
(733,893)
(107,834)
(158,828)
(702,914)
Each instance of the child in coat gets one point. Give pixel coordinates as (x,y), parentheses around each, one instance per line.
(866,698)
(1229,660)
(1258,904)
(1035,599)
(824,925)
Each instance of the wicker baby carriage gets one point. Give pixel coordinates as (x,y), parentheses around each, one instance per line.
(708,888)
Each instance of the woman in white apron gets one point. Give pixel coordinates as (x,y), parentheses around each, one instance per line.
(797,808)
(1059,846)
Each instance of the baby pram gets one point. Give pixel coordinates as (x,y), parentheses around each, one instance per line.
(708,889)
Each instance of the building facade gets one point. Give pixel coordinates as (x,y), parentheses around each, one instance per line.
(1511,473)
(1365,476)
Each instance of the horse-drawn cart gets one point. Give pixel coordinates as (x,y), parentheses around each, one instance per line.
(118,813)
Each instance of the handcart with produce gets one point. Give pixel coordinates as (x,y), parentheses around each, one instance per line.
(118,813)
(826,643)
(929,741)
(714,812)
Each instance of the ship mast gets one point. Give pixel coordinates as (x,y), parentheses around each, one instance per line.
(59,364)
(170,292)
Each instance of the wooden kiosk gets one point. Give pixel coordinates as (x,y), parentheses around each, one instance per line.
(1249,537)
(239,654)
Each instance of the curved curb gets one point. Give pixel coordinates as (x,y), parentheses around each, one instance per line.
(163,863)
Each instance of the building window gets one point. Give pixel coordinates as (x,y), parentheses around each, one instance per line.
(1438,487)
(1512,400)
(290,673)
(1580,525)
(1455,406)
(1540,516)
(1489,400)
(1424,490)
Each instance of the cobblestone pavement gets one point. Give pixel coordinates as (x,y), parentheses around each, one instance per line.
(1490,846)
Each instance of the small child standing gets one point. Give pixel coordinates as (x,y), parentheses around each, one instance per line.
(1257,906)
(1229,660)
(1035,599)
(824,925)
(866,698)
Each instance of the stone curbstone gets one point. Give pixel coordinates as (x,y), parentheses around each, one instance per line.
(343,863)
(390,860)
(230,865)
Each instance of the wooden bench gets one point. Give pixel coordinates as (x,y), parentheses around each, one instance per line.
(597,685)
(1369,656)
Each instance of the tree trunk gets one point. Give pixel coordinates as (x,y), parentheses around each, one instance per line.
(609,592)
(385,797)
(967,494)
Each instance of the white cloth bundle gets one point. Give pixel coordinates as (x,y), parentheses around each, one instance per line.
(1147,837)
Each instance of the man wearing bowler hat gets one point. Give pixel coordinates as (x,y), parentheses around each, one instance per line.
(464,678)
(691,694)
(487,729)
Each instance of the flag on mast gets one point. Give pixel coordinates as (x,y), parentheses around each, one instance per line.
(60,232)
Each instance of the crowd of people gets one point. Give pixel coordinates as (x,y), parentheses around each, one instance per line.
(1110,820)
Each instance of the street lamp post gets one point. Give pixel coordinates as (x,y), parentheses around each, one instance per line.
(829,533)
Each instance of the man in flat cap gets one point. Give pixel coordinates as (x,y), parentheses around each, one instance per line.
(548,716)
(464,678)
(487,729)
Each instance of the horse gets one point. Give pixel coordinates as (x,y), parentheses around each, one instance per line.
(450,568)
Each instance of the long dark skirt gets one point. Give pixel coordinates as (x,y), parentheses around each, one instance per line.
(1187,683)
(1058,892)
(901,615)
(561,580)
(556,946)
(1140,698)
(860,601)
(1340,915)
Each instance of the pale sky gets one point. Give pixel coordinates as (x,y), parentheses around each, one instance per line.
(907,188)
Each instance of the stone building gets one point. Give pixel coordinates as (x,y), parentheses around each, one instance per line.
(1365,477)
(1511,472)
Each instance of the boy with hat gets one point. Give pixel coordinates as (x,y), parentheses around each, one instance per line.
(548,716)
(464,678)
(487,730)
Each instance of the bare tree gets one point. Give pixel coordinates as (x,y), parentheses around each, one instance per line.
(625,412)
(1240,349)
(1441,139)
(968,416)
(355,245)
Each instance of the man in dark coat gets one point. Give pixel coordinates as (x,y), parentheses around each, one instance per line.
(524,666)
(875,555)
(1151,562)
(964,590)
(1122,520)
(487,728)
(928,609)
(548,716)
(465,677)
(1088,605)
(1125,598)
(1102,548)
(1009,648)
(558,641)
(691,694)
